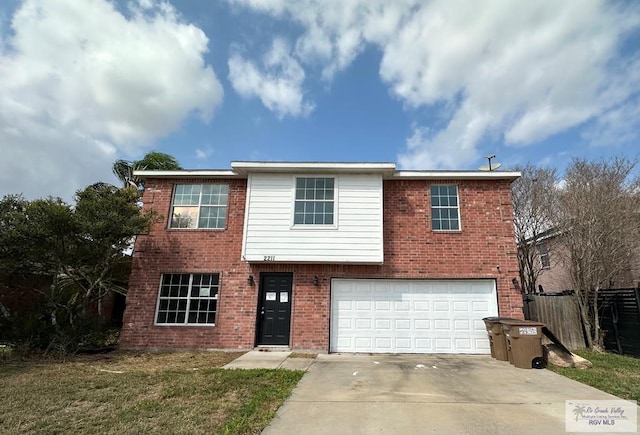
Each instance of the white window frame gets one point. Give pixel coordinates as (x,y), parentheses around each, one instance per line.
(445,207)
(199,206)
(188,300)
(304,226)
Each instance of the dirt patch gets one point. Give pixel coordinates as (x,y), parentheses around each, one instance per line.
(303,355)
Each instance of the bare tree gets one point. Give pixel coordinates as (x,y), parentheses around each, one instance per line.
(534,199)
(599,226)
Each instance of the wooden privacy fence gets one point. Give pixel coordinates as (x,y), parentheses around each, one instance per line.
(620,318)
(561,315)
(619,311)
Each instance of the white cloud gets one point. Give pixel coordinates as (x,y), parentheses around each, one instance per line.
(619,126)
(81,83)
(527,70)
(520,71)
(202,154)
(277,82)
(336,31)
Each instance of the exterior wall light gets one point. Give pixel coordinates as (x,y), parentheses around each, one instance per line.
(250,281)
(315,280)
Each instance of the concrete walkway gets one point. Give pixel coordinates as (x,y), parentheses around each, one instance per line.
(256,359)
(417,394)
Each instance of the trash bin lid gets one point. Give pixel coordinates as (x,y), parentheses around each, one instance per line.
(517,322)
(497,319)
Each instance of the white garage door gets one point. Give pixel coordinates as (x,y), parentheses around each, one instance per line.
(406,316)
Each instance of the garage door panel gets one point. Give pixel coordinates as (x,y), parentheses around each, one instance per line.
(363,343)
(402,324)
(421,324)
(384,344)
(411,316)
(344,304)
(443,345)
(363,305)
(462,325)
(363,323)
(422,345)
(402,305)
(383,306)
(481,344)
(345,323)
(478,325)
(461,306)
(383,324)
(479,306)
(442,306)
(441,325)
(462,344)
(403,345)
(420,306)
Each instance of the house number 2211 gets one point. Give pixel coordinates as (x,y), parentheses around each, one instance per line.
(269,258)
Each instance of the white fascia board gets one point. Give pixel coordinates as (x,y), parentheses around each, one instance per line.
(244,168)
(211,173)
(455,175)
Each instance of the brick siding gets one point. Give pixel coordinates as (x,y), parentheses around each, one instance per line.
(411,251)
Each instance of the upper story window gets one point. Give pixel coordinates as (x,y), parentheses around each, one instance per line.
(543,253)
(199,206)
(188,299)
(445,211)
(314,204)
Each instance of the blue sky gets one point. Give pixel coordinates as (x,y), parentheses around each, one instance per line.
(427,84)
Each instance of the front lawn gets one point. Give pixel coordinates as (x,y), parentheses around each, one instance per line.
(612,373)
(177,393)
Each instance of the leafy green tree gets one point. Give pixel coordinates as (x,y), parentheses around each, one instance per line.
(81,248)
(152,161)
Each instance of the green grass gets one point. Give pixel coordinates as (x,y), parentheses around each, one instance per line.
(612,373)
(178,393)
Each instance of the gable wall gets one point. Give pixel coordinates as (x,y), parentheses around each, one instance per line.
(355,237)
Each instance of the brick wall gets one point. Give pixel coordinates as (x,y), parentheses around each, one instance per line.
(411,250)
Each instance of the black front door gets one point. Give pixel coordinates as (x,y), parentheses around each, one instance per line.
(274,308)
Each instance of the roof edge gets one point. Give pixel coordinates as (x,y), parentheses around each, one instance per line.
(187,173)
(386,169)
(455,175)
(244,168)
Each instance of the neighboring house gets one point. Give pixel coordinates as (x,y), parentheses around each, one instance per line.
(328,257)
(555,275)
(554,268)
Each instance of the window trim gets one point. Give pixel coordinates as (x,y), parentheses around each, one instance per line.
(186,324)
(334,225)
(171,206)
(431,207)
(540,248)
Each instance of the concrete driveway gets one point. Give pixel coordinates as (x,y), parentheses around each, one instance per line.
(419,394)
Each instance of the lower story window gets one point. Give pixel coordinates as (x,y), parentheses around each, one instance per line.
(188,299)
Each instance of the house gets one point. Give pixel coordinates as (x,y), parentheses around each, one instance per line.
(326,257)
(555,264)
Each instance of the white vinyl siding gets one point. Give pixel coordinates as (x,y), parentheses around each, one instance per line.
(355,236)
(411,316)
